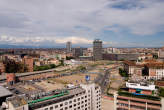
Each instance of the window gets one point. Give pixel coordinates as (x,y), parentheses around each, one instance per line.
(70,106)
(56,106)
(61,105)
(51,108)
(70,101)
(66,103)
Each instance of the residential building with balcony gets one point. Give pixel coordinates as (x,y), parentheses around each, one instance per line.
(83,97)
(138,97)
(136,102)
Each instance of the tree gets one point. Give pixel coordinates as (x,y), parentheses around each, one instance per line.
(14,67)
(52,65)
(62,62)
(123,73)
(161,92)
(44,67)
(155,56)
(81,68)
(69,58)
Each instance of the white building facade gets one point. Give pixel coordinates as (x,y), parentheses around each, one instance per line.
(84,97)
(88,100)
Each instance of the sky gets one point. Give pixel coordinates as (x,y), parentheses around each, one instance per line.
(51,23)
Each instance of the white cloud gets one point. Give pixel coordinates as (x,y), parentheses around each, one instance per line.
(61,17)
(74,40)
(31,40)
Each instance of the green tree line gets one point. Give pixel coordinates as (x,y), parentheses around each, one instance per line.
(44,67)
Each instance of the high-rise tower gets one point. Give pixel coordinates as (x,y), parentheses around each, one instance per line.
(69,46)
(97,49)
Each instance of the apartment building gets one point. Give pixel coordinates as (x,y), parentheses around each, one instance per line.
(138,97)
(161,53)
(68,47)
(132,68)
(146,70)
(140,88)
(97,49)
(143,56)
(2,68)
(120,56)
(28,61)
(155,71)
(78,52)
(134,102)
(83,97)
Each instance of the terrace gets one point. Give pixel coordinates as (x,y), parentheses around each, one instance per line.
(141,96)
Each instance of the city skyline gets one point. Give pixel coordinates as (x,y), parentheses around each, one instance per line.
(117,23)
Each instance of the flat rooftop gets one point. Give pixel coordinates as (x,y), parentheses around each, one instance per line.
(71,93)
(4,92)
(53,97)
(17,101)
(143,86)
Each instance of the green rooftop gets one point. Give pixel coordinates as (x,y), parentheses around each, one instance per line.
(142,96)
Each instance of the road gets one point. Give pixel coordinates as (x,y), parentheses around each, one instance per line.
(103,79)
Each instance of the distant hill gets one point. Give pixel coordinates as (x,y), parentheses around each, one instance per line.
(7,46)
(14,46)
